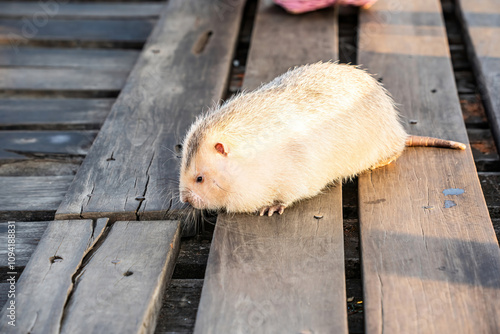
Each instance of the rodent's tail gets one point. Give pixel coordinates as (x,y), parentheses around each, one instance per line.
(412,141)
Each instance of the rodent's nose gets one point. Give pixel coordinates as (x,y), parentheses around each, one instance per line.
(184,197)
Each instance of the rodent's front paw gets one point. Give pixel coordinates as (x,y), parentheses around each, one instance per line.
(279,208)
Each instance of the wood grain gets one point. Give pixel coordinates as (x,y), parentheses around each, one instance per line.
(430,259)
(101,59)
(31,197)
(58,79)
(53,113)
(28,235)
(41,10)
(42,290)
(17,145)
(19,32)
(481,20)
(281,274)
(132,157)
(121,287)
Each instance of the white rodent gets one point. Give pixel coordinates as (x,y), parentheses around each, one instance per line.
(285,141)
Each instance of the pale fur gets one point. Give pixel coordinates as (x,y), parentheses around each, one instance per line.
(288,139)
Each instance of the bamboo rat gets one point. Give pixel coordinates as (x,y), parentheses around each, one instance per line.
(285,141)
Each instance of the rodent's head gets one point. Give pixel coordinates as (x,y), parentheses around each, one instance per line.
(204,181)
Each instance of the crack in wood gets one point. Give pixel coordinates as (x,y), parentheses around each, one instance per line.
(95,242)
(143,196)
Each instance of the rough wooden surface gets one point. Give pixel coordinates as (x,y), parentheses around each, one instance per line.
(32,197)
(113,275)
(42,290)
(53,113)
(16,32)
(28,234)
(430,258)
(284,273)
(41,10)
(131,170)
(21,144)
(481,20)
(92,59)
(121,287)
(61,79)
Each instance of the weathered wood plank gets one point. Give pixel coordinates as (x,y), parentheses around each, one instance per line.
(32,197)
(118,283)
(132,157)
(101,59)
(18,32)
(56,9)
(28,234)
(22,144)
(57,79)
(283,274)
(42,290)
(52,113)
(121,287)
(481,20)
(430,259)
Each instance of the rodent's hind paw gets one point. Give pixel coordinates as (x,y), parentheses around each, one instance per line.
(279,208)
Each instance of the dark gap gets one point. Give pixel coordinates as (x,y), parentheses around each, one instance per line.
(50,126)
(240,57)
(348,53)
(482,143)
(19,93)
(128,45)
(348,34)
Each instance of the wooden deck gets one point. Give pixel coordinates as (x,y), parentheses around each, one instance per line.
(94,98)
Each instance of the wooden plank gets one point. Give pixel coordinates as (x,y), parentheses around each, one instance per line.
(132,157)
(57,79)
(50,10)
(22,144)
(481,20)
(32,197)
(179,308)
(28,235)
(102,59)
(122,285)
(18,32)
(53,265)
(53,113)
(430,258)
(117,284)
(281,274)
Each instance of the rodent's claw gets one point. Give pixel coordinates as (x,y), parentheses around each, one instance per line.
(279,208)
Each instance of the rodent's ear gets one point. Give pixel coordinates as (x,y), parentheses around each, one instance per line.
(219,147)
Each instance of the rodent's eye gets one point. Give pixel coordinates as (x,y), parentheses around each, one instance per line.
(199,179)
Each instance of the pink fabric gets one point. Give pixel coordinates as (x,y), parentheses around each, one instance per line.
(302,6)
